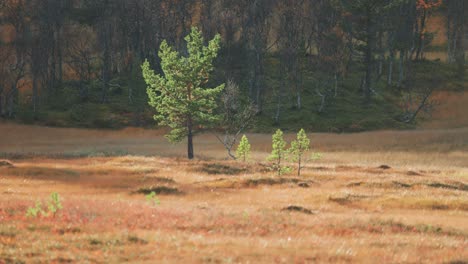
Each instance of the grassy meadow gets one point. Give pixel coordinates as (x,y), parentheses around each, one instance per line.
(392,196)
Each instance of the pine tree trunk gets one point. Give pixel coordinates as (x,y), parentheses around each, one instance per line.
(299,168)
(190,140)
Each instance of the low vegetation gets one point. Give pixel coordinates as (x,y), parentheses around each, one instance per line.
(291,67)
(352,205)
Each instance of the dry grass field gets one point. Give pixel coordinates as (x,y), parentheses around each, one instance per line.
(387,197)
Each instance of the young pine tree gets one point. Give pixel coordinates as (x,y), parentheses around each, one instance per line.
(278,154)
(180,96)
(243,150)
(298,148)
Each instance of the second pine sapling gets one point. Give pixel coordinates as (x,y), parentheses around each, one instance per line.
(243,150)
(278,153)
(298,149)
(54,204)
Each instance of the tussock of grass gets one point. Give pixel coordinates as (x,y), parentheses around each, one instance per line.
(299,209)
(160,190)
(38,228)
(385,185)
(69,230)
(162,179)
(8,232)
(344,199)
(256,182)
(44,173)
(455,186)
(6,164)
(413,173)
(399,185)
(384,167)
(384,226)
(270,181)
(426,204)
(215,169)
(95,242)
(136,240)
(65,155)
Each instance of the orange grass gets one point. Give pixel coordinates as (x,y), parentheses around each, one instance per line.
(413,211)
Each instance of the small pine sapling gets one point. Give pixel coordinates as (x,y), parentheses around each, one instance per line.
(54,204)
(298,149)
(35,211)
(152,198)
(243,150)
(278,153)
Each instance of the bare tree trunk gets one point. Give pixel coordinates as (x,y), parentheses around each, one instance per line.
(11,105)
(1,101)
(420,44)
(450,56)
(60,56)
(368,60)
(390,67)
(35,93)
(53,70)
(401,68)
(106,67)
(299,100)
(368,77)
(11,100)
(336,84)
(278,106)
(423,104)
(381,55)
(258,81)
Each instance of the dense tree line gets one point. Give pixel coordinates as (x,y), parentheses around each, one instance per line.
(98,43)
